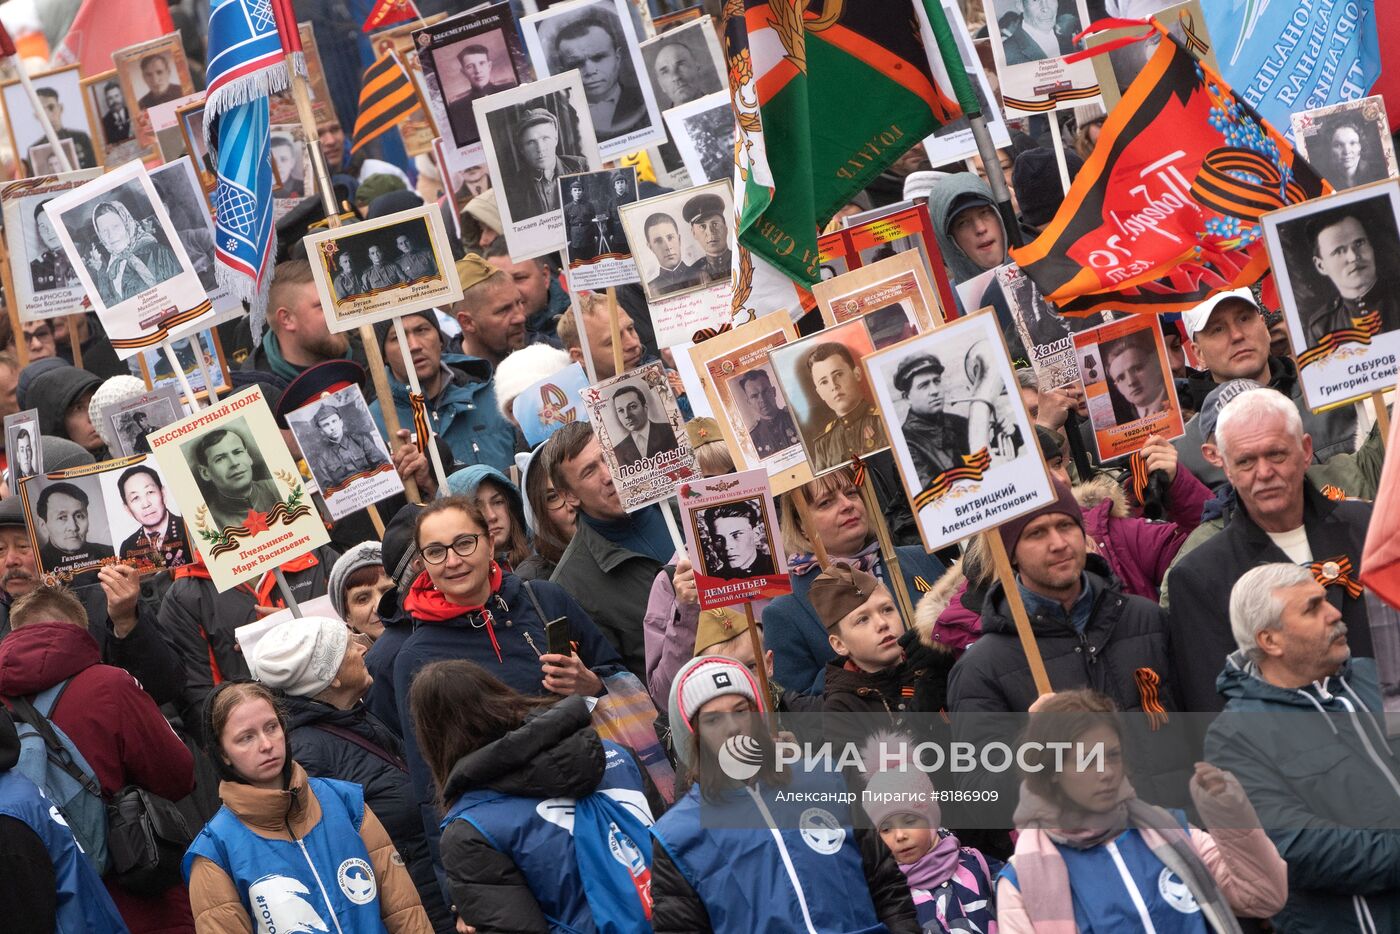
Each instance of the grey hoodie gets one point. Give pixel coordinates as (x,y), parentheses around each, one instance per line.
(940,201)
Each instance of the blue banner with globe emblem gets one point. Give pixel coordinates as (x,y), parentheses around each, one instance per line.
(247,62)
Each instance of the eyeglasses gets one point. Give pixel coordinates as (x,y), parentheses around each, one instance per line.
(464,545)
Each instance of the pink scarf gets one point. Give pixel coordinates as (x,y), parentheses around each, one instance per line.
(935,867)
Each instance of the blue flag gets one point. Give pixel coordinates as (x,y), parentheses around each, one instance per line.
(1287,56)
(246,64)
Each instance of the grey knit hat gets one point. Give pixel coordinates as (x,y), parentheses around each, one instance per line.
(363,555)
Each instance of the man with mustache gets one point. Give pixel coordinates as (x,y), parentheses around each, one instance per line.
(224,466)
(1280,516)
(1343,254)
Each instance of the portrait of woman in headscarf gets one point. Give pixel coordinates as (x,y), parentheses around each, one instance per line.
(135,259)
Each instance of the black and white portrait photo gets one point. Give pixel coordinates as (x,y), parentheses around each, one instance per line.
(231,473)
(289,164)
(1349,144)
(685,63)
(22,446)
(735,541)
(338,438)
(49,267)
(1033,30)
(113,115)
(597,39)
(1135,380)
(61,95)
(134,425)
(50,286)
(381,259)
(154,72)
(144,521)
(468,69)
(682,241)
(124,247)
(766,417)
(703,132)
(641,433)
(183,197)
(639,428)
(592,221)
(45,160)
(68,519)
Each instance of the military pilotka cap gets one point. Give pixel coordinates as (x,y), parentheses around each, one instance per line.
(536,116)
(719,625)
(701,207)
(912,366)
(839,591)
(315,382)
(473,270)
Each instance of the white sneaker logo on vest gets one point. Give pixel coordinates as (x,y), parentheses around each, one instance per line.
(1176,893)
(821,831)
(740,757)
(356,880)
(280,906)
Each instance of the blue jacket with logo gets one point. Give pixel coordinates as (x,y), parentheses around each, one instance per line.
(464,414)
(83,903)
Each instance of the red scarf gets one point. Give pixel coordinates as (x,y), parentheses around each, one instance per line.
(425,602)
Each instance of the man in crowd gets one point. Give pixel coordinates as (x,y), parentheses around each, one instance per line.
(1343,254)
(62,516)
(82,142)
(338,454)
(474,62)
(163,86)
(116,122)
(414,264)
(297,336)
(705,215)
(593,308)
(840,384)
(457,389)
(613,559)
(1232,342)
(1264,452)
(545,299)
(644,437)
(738,533)
(491,312)
(678,75)
(536,191)
(227,471)
(773,429)
(161,539)
(1303,733)
(662,235)
(38,338)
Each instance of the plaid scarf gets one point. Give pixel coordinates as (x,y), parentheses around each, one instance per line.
(867,559)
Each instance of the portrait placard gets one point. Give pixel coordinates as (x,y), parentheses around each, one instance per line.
(190,117)
(291,178)
(685,64)
(131,420)
(532,135)
(1118,68)
(46,284)
(470,56)
(960,433)
(382,268)
(666,22)
(827,393)
(155,367)
(597,38)
(642,434)
(341,444)
(874,235)
(22,445)
(893,295)
(550,404)
(61,94)
(149,533)
(1128,384)
(1334,260)
(180,191)
(682,240)
(130,259)
(152,73)
(732,535)
(1046,335)
(235,480)
(1348,143)
(682,318)
(953,141)
(596,247)
(112,118)
(1029,41)
(283,108)
(47,160)
(703,132)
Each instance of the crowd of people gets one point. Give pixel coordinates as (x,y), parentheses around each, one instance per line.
(519,718)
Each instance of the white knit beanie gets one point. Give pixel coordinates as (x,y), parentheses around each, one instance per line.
(522,369)
(301,656)
(114,390)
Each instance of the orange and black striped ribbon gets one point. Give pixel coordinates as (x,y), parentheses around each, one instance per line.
(973,467)
(1148,681)
(1194,43)
(1334,493)
(162,333)
(1138,475)
(1336,571)
(422,434)
(1362,330)
(387,97)
(277,515)
(858,466)
(704,334)
(1223,186)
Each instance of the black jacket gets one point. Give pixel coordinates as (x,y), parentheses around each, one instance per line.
(918,684)
(388,792)
(676,909)
(554,754)
(1201,583)
(1124,633)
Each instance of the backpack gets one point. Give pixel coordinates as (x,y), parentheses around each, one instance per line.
(48,758)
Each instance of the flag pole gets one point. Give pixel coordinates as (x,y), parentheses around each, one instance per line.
(291,45)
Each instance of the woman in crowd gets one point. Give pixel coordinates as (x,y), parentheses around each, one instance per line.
(547,513)
(501,505)
(761,871)
(287,852)
(357,584)
(838,520)
(498,758)
(320,668)
(1090,854)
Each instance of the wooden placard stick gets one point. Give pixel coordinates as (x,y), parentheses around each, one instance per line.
(169,349)
(804,514)
(616,326)
(756,645)
(876,519)
(376,519)
(1382,416)
(1018,611)
(75,344)
(7,282)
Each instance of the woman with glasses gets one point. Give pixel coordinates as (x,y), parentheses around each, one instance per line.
(466,606)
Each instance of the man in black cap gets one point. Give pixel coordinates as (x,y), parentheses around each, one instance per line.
(337,454)
(839,383)
(937,439)
(662,235)
(705,215)
(62,515)
(474,61)
(535,190)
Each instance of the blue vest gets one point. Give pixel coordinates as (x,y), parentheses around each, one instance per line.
(83,902)
(537,833)
(1103,899)
(322,882)
(730,856)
